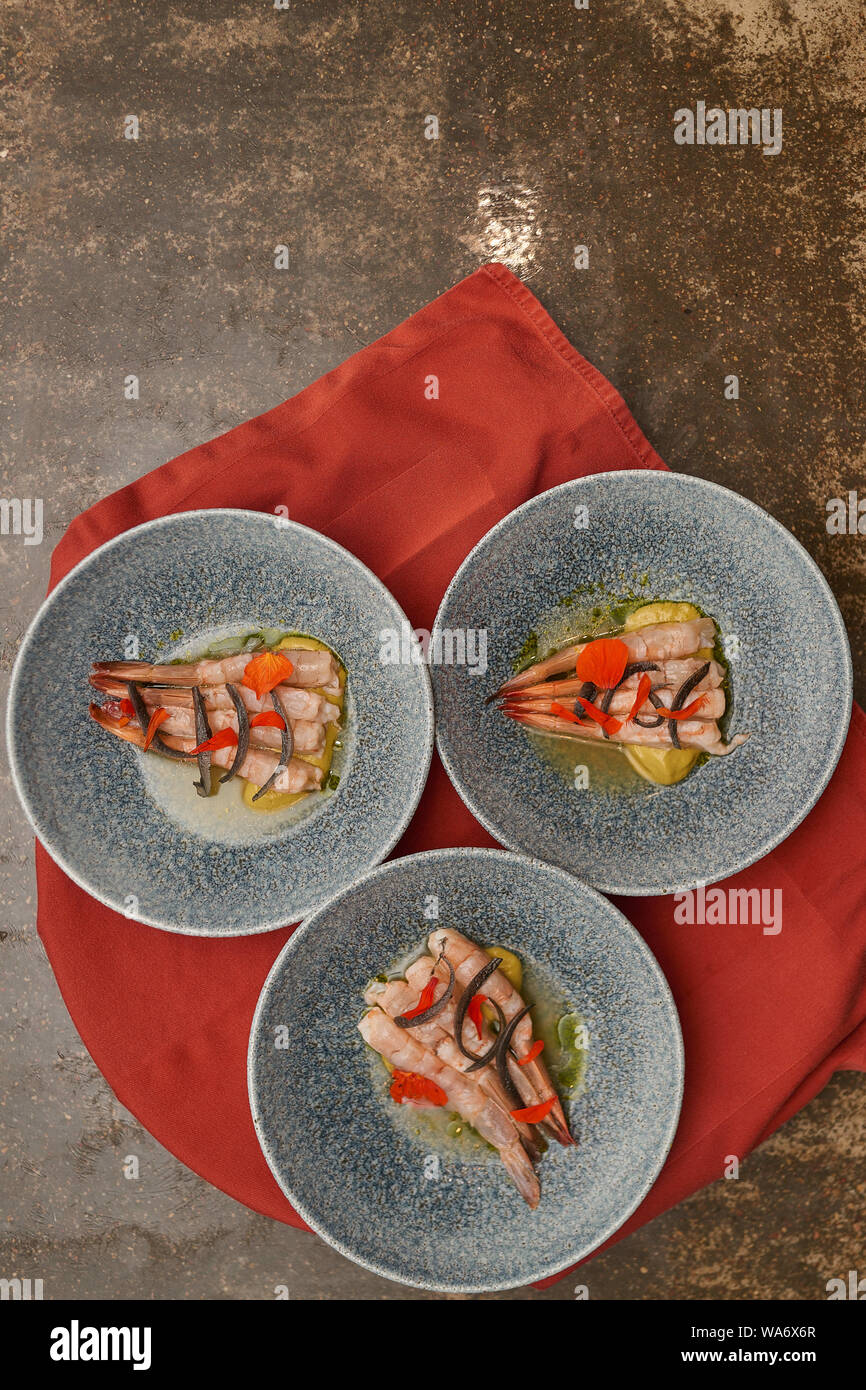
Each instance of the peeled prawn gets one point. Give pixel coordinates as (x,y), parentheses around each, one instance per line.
(465,1096)
(257,767)
(397,997)
(309,668)
(657,642)
(467,959)
(666,673)
(702,734)
(307,734)
(298,704)
(417,974)
(621,702)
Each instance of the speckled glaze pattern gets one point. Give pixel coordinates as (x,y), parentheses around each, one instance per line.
(363,1181)
(687,539)
(83,789)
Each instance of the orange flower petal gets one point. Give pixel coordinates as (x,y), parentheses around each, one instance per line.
(268,719)
(266,671)
(226,738)
(606,721)
(562,713)
(158,717)
(534,1113)
(602,662)
(411,1086)
(688,712)
(536,1048)
(643,689)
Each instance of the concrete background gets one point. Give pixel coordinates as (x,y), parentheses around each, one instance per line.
(155,257)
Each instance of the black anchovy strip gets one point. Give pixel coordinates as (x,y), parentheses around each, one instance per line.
(202,734)
(605,706)
(688,685)
(660,719)
(243,733)
(503,1047)
(143,718)
(465,1000)
(635,668)
(436,1007)
(287,746)
(680,698)
(490,1055)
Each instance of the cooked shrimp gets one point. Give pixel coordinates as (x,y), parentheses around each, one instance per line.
(465,1096)
(298,704)
(309,668)
(666,673)
(257,767)
(397,997)
(621,702)
(418,974)
(307,734)
(702,734)
(467,959)
(658,642)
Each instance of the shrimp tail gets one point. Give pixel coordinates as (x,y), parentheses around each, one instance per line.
(722,749)
(553,666)
(145,673)
(522,1174)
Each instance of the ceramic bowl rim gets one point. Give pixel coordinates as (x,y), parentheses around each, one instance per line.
(668,1004)
(149,919)
(630,890)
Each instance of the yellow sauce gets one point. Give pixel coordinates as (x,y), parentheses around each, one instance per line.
(511,967)
(275,801)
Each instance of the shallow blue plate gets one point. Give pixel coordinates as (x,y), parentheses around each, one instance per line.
(128,826)
(666,536)
(407,1205)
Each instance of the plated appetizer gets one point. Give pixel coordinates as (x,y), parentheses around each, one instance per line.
(266,707)
(655,688)
(418,1160)
(455,1035)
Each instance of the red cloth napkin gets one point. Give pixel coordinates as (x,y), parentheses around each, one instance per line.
(408,474)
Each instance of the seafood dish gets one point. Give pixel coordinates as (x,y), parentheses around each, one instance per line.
(455,1034)
(657,689)
(266,707)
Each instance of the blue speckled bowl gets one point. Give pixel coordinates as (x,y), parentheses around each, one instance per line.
(447,1219)
(684,539)
(128,827)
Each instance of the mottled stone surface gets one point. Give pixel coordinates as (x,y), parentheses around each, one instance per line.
(155,257)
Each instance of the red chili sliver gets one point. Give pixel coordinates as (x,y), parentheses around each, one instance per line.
(412,1088)
(127,708)
(689,710)
(425,1001)
(603,662)
(226,738)
(536,1048)
(474,1010)
(643,689)
(606,721)
(268,719)
(562,713)
(158,717)
(534,1113)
